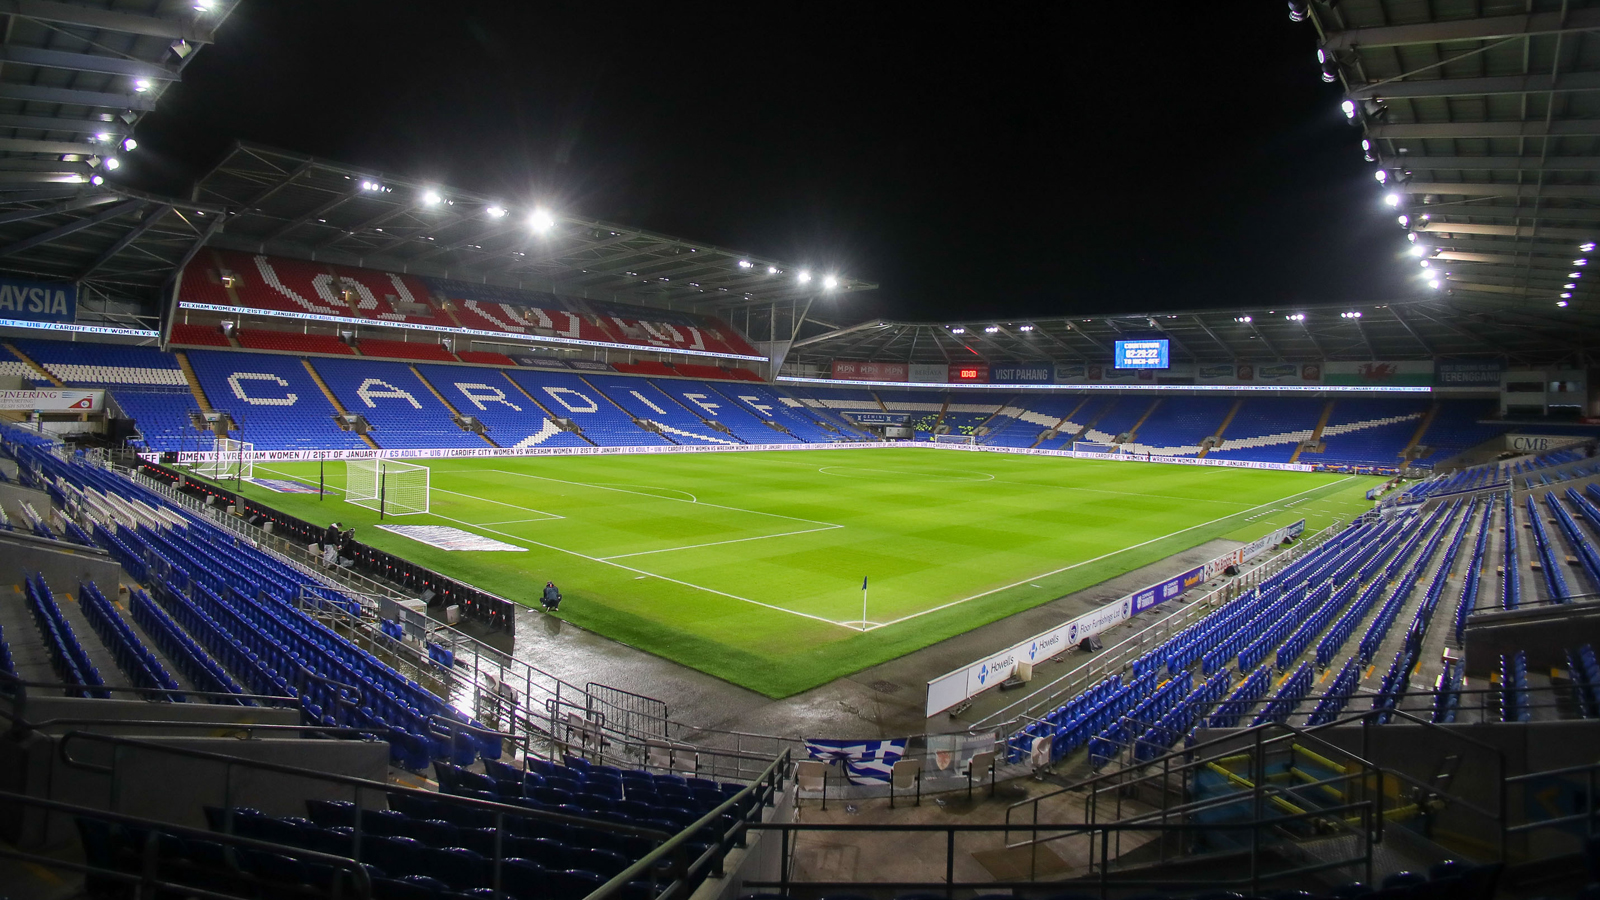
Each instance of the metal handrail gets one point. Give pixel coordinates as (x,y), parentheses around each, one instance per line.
(151,860)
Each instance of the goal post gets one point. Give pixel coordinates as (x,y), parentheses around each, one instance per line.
(955,439)
(1094,447)
(230,459)
(391,487)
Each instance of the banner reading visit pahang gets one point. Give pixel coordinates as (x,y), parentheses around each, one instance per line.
(953,687)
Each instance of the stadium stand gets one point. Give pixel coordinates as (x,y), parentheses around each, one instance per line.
(273,398)
(512,419)
(1268,429)
(83,364)
(196,335)
(385,349)
(566,396)
(644,401)
(1021,422)
(1369,431)
(293,342)
(403,410)
(707,402)
(1179,424)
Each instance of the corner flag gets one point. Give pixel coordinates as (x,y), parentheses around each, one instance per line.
(863,582)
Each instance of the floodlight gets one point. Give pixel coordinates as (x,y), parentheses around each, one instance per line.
(431,197)
(1418,249)
(496,212)
(1580,262)
(1299,11)
(829,282)
(804,277)
(1296,317)
(541,220)
(744,263)
(1561,303)
(96,180)
(1392,199)
(1330,67)
(203,5)
(772,270)
(990,329)
(1588,247)
(1024,327)
(1566,295)
(1574,274)
(1433,283)
(1382,175)
(141,85)
(1426,264)
(102,137)
(1369,150)
(958,330)
(130,144)
(1245,319)
(1405,222)
(1349,108)
(112,164)
(1570,285)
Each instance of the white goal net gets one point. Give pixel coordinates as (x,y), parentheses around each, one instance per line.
(230,460)
(1092,447)
(954,439)
(390,487)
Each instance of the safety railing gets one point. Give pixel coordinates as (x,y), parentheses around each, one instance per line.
(1122,654)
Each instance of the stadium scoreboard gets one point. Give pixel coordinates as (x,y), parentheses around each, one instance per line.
(1147,354)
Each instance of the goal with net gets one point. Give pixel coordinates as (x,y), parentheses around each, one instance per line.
(391,487)
(954,439)
(1093,447)
(230,459)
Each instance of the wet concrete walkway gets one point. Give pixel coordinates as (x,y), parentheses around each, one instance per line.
(886,700)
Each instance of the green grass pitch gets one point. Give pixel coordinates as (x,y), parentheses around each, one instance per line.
(749,565)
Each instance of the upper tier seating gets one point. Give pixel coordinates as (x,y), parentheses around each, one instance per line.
(294,342)
(403,412)
(162,416)
(301,287)
(79,363)
(405,350)
(513,420)
(273,398)
(568,396)
(645,401)
(198,335)
(647,367)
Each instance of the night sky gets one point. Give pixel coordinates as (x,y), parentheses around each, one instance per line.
(975,161)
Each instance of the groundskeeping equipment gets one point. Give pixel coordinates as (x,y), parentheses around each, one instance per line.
(391,487)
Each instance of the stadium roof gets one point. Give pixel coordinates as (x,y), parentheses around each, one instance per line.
(1484,120)
(1411,329)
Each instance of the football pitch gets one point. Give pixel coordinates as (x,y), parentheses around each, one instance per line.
(749,566)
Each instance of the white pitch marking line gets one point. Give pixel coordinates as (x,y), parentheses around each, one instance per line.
(1096,559)
(754,512)
(521,521)
(954,478)
(759,537)
(642,573)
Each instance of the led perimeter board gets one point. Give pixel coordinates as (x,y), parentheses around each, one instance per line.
(1148,354)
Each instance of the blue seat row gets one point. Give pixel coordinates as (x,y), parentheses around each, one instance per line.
(1555,580)
(1337,696)
(1585,672)
(1513,676)
(1472,579)
(188,657)
(1447,692)
(1287,697)
(1105,745)
(1510,571)
(67,656)
(1242,700)
(1178,721)
(135,660)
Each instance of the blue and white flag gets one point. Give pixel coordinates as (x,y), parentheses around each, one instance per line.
(863,582)
(864,762)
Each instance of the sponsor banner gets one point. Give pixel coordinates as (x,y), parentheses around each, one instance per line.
(1469,373)
(1539,443)
(589,365)
(968,373)
(1122,383)
(875,418)
(1023,373)
(478,332)
(192,457)
(53,400)
(38,301)
(1386,373)
(928,372)
(861,370)
(79,329)
(447,538)
(953,687)
(1072,373)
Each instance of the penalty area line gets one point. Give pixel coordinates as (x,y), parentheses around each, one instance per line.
(1101,556)
(642,573)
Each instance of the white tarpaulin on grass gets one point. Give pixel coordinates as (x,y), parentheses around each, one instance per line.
(447,538)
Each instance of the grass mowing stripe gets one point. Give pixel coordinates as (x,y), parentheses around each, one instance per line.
(769,614)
